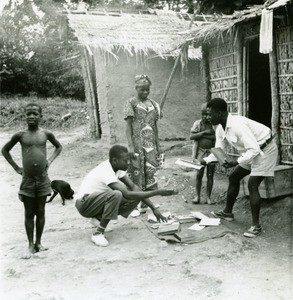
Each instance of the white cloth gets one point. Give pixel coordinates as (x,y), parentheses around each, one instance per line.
(266,31)
(243,134)
(98,179)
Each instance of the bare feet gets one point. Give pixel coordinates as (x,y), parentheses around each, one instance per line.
(40,247)
(29,252)
(196,200)
(210,202)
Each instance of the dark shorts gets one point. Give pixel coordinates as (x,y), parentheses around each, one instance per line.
(35,187)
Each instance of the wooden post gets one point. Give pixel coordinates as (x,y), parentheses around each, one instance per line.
(102,88)
(164,97)
(239,55)
(90,94)
(183,48)
(275,121)
(245,79)
(206,72)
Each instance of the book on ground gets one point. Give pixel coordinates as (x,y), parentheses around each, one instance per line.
(185,218)
(188,164)
(185,236)
(210,222)
(198,215)
(169,229)
(196,227)
(157,224)
(221,156)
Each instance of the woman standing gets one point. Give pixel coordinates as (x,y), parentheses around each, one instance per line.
(141,115)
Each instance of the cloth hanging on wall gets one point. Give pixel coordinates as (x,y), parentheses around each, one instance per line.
(266,32)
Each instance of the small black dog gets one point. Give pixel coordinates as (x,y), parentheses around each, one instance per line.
(63,188)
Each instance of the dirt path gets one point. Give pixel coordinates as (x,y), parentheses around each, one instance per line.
(137,265)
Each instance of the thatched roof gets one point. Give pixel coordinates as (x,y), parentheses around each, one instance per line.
(215,30)
(134,33)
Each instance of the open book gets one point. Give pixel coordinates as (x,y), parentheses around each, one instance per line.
(189,164)
(221,155)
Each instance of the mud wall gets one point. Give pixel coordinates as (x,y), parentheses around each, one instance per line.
(182,105)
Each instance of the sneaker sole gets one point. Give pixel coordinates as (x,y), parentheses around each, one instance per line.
(222,217)
(251,235)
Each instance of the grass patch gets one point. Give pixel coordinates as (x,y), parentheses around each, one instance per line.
(53,109)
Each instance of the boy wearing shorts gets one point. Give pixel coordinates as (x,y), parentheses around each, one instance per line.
(203,135)
(35,185)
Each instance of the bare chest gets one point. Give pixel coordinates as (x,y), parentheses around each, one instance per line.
(29,139)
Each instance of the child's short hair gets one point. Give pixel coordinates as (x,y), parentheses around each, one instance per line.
(34,104)
(116,151)
(218,104)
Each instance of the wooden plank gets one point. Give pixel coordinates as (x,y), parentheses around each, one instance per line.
(206,73)
(223,78)
(286,93)
(239,49)
(222,68)
(225,89)
(275,119)
(285,60)
(222,56)
(166,90)
(102,89)
(285,75)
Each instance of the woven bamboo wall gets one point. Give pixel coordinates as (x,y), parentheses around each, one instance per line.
(223,70)
(223,74)
(284,44)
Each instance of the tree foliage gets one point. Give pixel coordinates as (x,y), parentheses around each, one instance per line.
(34,57)
(223,6)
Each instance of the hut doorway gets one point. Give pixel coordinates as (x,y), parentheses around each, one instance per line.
(259,86)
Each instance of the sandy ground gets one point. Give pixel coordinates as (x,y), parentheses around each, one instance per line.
(137,265)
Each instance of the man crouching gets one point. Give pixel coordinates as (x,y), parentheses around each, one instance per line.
(107,192)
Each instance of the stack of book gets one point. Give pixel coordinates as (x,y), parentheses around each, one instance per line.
(169,228)
(185,218)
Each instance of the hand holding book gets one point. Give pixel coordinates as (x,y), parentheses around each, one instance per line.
(223,158)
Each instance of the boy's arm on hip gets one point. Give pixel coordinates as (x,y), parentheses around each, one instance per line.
(8,146)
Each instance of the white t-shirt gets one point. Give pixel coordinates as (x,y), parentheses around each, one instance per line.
(98,179)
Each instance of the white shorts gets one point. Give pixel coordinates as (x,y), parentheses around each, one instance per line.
(264,164)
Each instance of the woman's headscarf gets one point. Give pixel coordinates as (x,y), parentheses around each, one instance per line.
(141,80)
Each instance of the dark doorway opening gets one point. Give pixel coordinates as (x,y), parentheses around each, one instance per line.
(259,87)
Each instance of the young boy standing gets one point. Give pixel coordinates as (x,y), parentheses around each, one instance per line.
(203,135)
(35,185)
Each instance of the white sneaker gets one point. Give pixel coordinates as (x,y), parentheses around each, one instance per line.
(100,240)
(95,222)
(135,213)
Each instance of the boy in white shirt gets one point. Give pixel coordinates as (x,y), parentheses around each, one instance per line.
(107,192)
